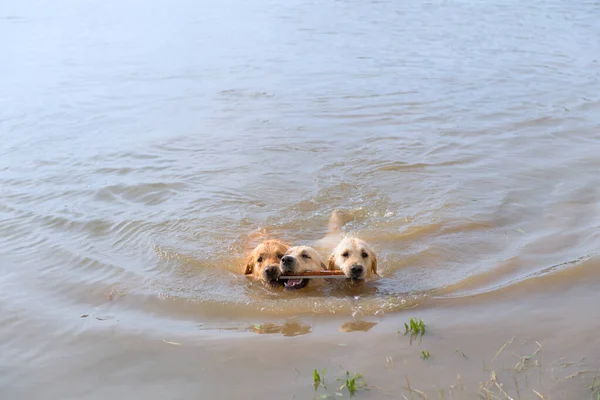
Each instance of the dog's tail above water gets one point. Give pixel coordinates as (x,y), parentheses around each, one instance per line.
(338,219)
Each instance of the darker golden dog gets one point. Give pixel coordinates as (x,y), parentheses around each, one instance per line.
(263,262)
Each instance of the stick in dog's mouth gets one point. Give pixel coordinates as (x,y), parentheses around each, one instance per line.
(300,280)
(314,275)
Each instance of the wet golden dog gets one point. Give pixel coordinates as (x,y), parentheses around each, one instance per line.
(263,262)
(299,259)
(355,258)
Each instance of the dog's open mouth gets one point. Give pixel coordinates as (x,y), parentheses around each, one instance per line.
(275,283)
(295,283)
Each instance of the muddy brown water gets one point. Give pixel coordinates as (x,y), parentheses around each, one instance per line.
(141,141)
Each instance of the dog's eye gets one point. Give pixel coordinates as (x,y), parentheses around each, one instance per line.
(364,255)
(259,259)
(305,256)
(280,256)
(345,254)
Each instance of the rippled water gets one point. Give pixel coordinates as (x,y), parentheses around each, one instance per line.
(141,142)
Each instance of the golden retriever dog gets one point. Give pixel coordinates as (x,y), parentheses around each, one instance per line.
(299,259)
(355,258)
(263,262)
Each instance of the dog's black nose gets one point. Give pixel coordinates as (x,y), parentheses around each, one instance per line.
(272,272)
(286,260)
(356,271)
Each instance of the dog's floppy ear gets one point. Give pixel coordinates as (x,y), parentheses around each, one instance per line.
(374,264)
(249,266)
(331,262)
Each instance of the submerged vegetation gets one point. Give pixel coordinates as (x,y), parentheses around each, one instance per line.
(352,383)
(415,327)
(319,379)
(510,375)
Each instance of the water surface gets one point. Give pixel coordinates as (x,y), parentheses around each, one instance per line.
(141,142)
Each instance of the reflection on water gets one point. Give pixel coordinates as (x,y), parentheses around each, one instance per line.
(288,328)
(297,328)
(357,326)
(141,144)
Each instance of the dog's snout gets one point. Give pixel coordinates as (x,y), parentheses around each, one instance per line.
(272,272)
(287,264)
(356,270)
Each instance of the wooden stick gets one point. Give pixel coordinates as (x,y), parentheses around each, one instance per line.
(315,274)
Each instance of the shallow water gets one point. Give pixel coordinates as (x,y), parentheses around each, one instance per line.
(141,143)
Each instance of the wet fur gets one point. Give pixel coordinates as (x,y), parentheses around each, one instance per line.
(267,253)
(272,250)
(354,248)
(302,259)
(306,259)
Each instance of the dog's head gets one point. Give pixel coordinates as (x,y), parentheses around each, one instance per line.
(300,259)
(263,262)
(355,258)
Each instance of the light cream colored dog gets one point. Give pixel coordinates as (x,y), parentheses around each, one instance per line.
(355,258)
(300,259)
